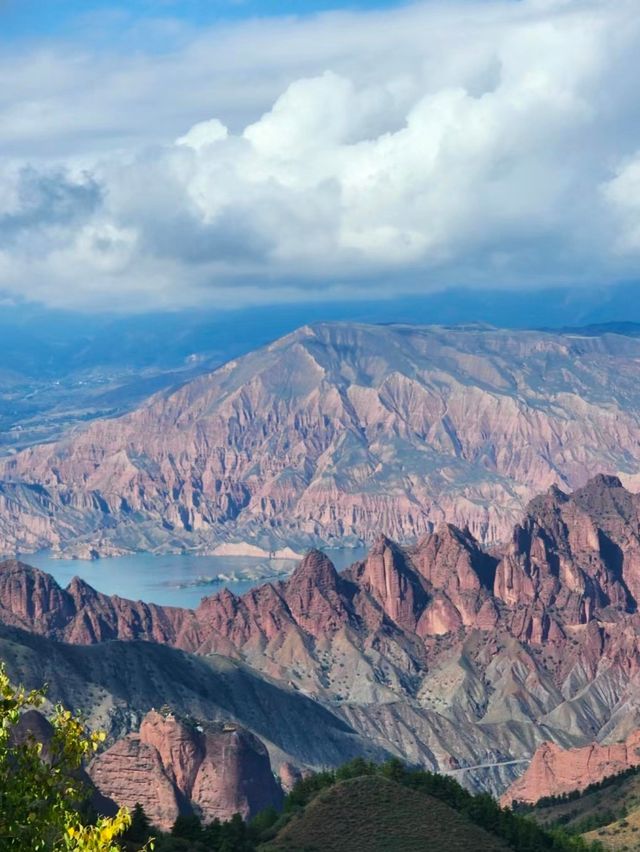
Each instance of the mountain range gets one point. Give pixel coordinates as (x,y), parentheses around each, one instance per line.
(449,655)
(333,434)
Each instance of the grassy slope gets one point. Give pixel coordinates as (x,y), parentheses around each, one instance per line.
(372,814)
(616,797)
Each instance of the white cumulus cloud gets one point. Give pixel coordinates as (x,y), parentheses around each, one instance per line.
(481,143)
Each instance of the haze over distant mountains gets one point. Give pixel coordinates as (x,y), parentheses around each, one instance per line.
(333,434)
(59,369)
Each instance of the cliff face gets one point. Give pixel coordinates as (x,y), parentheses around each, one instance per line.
(554,770)
(442,653)
(333,433)
(174,767)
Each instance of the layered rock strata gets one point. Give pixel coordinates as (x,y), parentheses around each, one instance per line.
(173,766)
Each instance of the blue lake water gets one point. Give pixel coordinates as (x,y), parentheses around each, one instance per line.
(174,579)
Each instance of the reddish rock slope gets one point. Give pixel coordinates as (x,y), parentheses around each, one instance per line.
(554,770)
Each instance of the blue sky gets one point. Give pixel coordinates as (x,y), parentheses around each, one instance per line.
(176,154)
(21,19)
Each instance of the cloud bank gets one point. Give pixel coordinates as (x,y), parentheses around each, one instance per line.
(337,156)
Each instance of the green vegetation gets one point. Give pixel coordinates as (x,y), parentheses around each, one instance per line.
(375,808)
(374,814)
(42,797)
(515,831)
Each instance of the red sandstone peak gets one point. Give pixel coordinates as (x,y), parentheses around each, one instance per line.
(393,583)
(175,766)
(29,596)
(314,595)
(315,568)
(578,553)
(82,593)
(452,557)
(460,574)
(554,770)
(31,599)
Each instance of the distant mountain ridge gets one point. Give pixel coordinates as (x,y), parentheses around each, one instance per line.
(447,655)
(334,433)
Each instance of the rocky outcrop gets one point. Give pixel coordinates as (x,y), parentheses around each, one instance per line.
(554,770)
(462,575)
(572,558)
(334,433)
(31,599)
(393,583)
(175,766)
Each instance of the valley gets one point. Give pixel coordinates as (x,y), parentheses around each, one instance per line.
(466,647)
(319,426)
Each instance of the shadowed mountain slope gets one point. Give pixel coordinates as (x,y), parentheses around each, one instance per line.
(116,683)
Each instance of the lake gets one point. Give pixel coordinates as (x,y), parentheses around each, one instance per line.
(176,579)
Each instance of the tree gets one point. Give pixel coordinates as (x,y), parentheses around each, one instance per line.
(262,822)
(139,830)
(41,793)
(234,836)
(187,826)
(211,834)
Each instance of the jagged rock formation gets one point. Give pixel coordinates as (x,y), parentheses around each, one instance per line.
(175,766)
(31,599)
(334,433)
(443,653)
(554,770)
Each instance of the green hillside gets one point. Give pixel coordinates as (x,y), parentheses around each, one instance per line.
(364,807)
(373,814)
(392,808)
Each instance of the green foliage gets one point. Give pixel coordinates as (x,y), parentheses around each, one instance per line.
(41,796)
(262,823)
(187,826)
(189,835)
(140,829)
(517,831)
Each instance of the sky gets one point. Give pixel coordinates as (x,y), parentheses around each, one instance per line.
(165,155)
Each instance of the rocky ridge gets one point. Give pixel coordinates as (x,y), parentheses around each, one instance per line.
(335,433)
(451,656)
